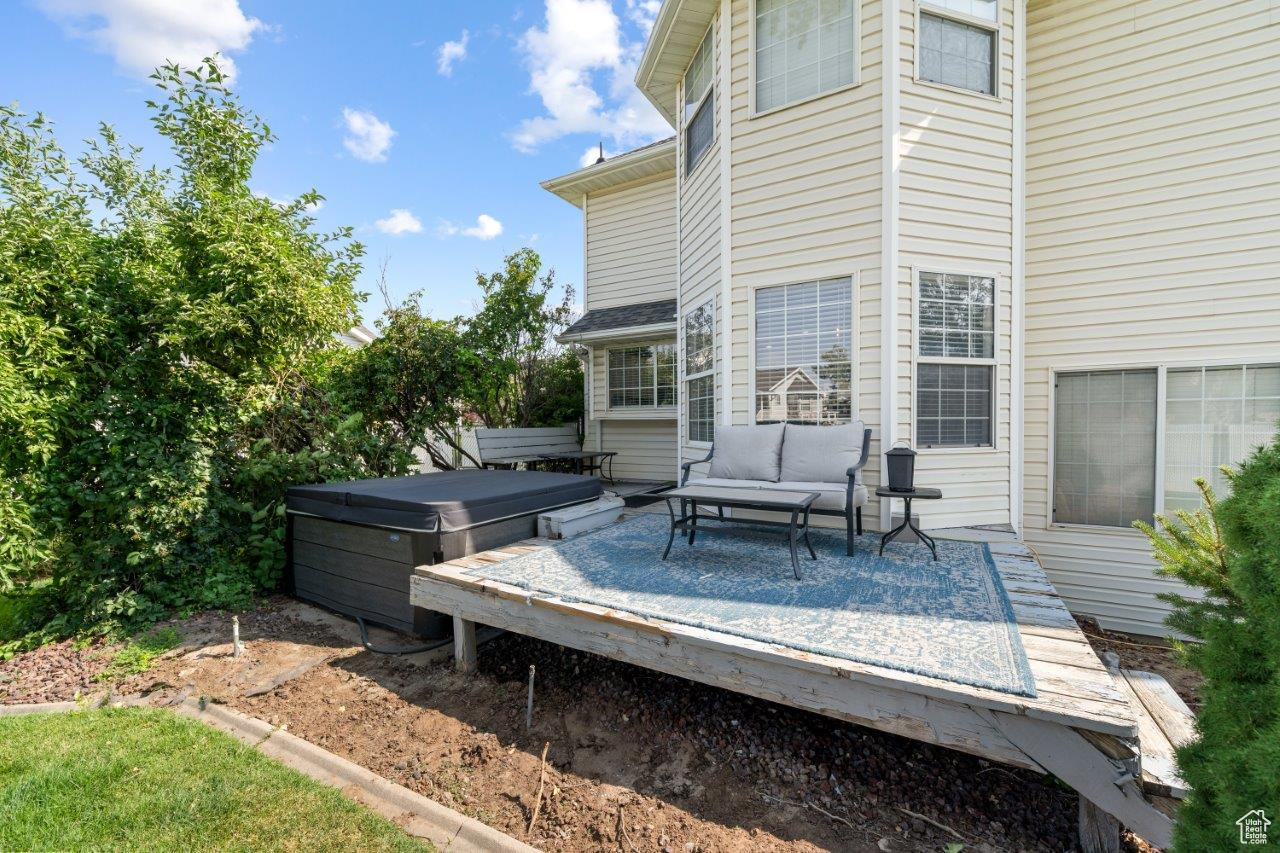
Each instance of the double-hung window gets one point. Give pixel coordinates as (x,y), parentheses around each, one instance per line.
(1108,446)
(957,44)
(642,376)
(804,344)
(955,360)
(803,48)
(699,371)
(700,103)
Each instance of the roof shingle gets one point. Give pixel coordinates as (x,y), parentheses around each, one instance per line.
(624,317)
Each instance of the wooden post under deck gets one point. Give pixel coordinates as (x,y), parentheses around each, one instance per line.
(464,644)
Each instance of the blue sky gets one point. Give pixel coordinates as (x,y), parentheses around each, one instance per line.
(426,125)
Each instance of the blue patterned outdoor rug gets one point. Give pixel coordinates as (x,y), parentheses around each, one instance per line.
(951,619)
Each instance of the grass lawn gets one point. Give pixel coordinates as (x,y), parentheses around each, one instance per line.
(139,778)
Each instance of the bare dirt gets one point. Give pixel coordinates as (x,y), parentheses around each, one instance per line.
(635,760)
(1149,654)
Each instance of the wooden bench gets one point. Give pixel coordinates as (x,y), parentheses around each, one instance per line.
(507,447)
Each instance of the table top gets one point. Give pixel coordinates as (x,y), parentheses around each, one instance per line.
(725,495)
(918,492)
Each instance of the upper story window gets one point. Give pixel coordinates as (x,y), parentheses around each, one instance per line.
(955,370)
(804,48)
(642,376)
(699,371)
(699,103)
(804,345)
(957,44)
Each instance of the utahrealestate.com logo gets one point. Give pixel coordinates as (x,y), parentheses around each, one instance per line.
(1253,827)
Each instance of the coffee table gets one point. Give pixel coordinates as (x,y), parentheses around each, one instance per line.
(765,500)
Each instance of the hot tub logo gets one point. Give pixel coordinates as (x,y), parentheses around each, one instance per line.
(1253,827)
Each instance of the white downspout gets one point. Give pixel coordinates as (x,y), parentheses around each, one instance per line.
(890,117)
(1017,382)
(724,100)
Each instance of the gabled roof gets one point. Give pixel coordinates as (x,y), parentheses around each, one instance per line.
(648,161)
(679,29)
(622,320)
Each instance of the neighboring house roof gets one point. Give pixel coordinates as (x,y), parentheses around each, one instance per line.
(679,29)
(357,337)
(623,320)
(800,373)
(648,161)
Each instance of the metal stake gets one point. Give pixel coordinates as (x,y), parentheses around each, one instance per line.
(528,712)
(237,648)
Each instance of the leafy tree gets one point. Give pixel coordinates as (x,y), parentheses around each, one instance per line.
(424,379)
(1231,552)
(166,340)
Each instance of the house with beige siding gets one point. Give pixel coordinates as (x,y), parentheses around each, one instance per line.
(1036,240)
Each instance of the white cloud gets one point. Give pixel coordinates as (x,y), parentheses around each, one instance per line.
(451,53)
(368,137)
(644,13)
(486,228)
(400,221)
(581,65)
(143,34)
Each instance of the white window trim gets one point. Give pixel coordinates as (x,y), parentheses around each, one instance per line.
(993,362)
(682,392)
(996,26)
(852,275)
(752,112)
(1162,371)
(645,409)
(686,114)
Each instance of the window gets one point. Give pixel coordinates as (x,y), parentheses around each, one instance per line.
(955,370)
(699,371)
(642,376)
(699,104)
(1214,416)
(957,44)
(1104,447)
(803,49)
(804,367)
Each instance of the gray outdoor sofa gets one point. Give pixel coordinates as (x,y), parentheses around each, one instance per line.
(823,459)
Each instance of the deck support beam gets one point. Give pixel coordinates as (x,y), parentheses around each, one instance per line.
(1099,831)
(464,644)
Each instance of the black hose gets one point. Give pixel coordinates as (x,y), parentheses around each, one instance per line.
(407,650)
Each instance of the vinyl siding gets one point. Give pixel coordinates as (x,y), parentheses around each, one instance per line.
(646,448)
(1153,204)
(806,204)
(631,244)
(956,215)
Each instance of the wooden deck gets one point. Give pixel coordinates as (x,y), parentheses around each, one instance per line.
(1080,726)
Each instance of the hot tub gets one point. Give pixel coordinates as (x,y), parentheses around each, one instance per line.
(352,546)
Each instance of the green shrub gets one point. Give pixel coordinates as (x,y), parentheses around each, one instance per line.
(166,346)
(1231,552)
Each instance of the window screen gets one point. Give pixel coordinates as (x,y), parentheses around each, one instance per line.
(1104,447)
(957,316)
(697,80)
(804,368)
(699,371)
(957,54)
(953,405)
(642,376)
(1214,416)
(700,133)
(803,48)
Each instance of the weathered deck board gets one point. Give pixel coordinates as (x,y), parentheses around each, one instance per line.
(1077,700)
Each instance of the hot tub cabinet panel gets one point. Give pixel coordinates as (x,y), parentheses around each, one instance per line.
(353,546)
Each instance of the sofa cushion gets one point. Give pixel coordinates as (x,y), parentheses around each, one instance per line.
(747,452)
(831,496)
(821,454)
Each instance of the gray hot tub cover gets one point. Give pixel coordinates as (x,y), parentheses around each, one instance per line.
(443,501)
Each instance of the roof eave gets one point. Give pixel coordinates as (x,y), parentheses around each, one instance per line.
(619,333)
(663,93)
(654,161)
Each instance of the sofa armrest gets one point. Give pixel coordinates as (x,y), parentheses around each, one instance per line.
(685,466)
(852,473)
